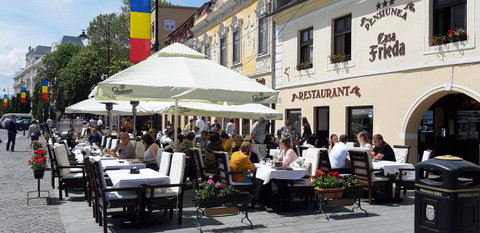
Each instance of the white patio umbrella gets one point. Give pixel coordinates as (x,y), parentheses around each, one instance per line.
(93,106)
(180,73)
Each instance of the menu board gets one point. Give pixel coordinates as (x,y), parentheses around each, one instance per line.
(468,125)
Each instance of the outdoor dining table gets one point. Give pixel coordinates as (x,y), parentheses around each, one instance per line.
(117,164)
(147,176)
(267,173)
(390,167)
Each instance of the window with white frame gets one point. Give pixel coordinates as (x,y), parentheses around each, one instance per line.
(449,21)
(306,49)
(223,51)
(236,58)
(262,35)
(342,39)
(169,25)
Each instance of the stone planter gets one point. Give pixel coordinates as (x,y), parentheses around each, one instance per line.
(38,174)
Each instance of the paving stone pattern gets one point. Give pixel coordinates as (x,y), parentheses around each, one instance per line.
(16,178)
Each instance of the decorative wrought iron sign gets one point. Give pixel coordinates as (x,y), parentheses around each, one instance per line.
(327,93)
(385,9)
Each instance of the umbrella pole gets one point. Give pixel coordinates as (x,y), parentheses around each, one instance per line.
(175,123)
(134,112)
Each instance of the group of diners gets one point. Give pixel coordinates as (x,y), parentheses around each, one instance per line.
(338,149)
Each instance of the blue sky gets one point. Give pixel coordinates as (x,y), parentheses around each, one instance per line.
(26,23)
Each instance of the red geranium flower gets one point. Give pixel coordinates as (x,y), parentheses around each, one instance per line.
(312,177)
(40,151)
(330,173)
(336,174)
(36,157)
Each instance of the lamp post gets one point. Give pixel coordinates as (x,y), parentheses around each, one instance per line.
(134,112)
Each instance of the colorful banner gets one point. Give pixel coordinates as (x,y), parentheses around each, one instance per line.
(5,101)
(23,95)
(140,30)
(45,90)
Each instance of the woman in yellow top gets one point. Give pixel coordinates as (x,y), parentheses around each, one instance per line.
(227,143)
(240,162)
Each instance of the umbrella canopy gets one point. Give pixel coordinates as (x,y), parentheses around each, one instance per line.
(246,111)
(178,72)
(92,106)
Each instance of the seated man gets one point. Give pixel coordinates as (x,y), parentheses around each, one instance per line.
(240,162)
(124,149)
(339,153)
(382,151)
(95,138)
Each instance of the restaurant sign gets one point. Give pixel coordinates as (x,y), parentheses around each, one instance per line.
(327,93)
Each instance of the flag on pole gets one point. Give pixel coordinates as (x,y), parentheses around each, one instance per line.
(140,30)
(5,101)
(23,95)
(45,90)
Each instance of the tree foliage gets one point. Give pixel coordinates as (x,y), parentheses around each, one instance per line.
(81,74)
(52,64)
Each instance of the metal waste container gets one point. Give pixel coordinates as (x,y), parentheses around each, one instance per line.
(447,196)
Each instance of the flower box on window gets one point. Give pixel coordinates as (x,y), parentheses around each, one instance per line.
(454,35)
(336,58)
(304,66)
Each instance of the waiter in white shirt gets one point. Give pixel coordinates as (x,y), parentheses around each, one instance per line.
(200,123)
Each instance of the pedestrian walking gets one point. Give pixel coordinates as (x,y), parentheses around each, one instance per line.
(11,126)
(34,132)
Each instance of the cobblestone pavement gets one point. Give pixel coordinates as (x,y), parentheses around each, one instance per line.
(16,178)
(74,215)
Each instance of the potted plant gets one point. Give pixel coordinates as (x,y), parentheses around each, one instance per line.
(218,199)
(438,40)
(336,58)
(457,34)
(352,188)
(38,163)
(304,65)
(328,185)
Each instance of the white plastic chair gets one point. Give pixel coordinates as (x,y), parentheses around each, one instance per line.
(426,155)
(164,167)
(114,143)
(401,154)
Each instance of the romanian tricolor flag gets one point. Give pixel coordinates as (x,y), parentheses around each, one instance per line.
(140,30)
(45,90)
(5,101)
(23,95)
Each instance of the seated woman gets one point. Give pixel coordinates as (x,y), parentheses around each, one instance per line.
(212,145)
(150,155)
(238,142)
(286,155)
(227,142)
(240,162)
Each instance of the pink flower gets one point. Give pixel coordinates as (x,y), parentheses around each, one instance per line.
(199,179)
(218,185)
(210,182)
(210,177)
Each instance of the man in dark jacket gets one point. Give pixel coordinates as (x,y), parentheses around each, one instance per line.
(11,126)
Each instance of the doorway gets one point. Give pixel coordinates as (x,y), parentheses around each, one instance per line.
(451,126)
(322,125)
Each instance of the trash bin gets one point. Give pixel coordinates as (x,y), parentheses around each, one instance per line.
(447,196)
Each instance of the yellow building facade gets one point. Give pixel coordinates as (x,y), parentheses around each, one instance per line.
(402,72)
(237,34)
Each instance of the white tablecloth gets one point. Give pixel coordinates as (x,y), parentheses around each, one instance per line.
(77,151)
(123,178)
(390,167)
(121,164)
(266,173)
